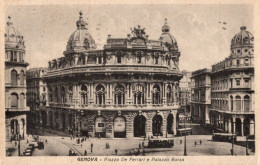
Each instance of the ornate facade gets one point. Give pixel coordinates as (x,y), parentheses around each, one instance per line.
(201,95)
(232,92)
(128,89)
(15,84)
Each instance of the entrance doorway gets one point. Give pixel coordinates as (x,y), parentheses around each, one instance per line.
(139,126)
(119,127)
(157,125)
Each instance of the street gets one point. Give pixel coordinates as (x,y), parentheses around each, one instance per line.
(60,146)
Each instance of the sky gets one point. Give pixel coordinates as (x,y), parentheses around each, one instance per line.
(201,40)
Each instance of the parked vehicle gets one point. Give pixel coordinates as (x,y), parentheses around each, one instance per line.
(160,143)
(225,137)
(183,131)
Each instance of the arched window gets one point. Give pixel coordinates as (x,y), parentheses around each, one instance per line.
(246,103)
(119,94)
(84,95)
(56,94)
(119,58)
(238,103)
(22,77)
(156,95)
(63,97)
(169,95)
(14,100)
(139,94)
(22,97)
(70,92)
(15,56)
(100,95)
(139,58)
(14,77)
(231,103)
(50,94)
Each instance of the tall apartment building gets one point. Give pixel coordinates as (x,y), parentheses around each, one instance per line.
(200,95)
(15,84)
(232,92)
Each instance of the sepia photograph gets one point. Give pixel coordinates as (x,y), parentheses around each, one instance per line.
(129,80)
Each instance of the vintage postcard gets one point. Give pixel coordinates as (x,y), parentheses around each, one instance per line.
(144,82)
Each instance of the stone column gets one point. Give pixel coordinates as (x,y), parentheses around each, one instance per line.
(148,127)
(229,125)
(242,126)
(234,125)
(252,127)
(48,118)
(164,125)
(129,126)
(164,98)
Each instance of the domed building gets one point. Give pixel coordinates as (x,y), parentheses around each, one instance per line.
(233,90)
(15,84)
(128,89)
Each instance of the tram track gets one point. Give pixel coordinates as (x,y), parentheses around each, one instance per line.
(72,148)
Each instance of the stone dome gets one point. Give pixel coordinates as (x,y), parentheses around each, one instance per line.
(166,37)
(81,39)
(243,38)
(13,39)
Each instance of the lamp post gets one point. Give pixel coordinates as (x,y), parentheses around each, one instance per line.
(247,145)
(19,145)
(185,147)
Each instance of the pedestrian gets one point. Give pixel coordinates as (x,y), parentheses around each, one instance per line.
(15,143)
(46,141)
(91,147)
(195,143)
(142,144)
(200,142)
(180,141)
(143,152)
(116,151)
(85,154)
(139,146)
(70,152)
(138,151)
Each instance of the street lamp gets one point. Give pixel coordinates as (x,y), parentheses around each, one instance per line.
(19,145)
(185,148)
(247,145)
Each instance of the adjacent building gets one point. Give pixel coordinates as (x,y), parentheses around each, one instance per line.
(185,90)
(36,95)
(200,95)
(233,91)
(128,89)
(15,84)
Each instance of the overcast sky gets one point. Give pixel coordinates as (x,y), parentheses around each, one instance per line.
(200,37)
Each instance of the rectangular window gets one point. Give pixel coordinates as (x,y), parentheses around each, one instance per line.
(237,82)
(246,62)
(247,83)
(238,62)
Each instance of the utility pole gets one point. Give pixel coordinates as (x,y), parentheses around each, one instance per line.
(185,148)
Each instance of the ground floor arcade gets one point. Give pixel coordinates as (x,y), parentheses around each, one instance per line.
(240,124)
(15,125)
(105,123)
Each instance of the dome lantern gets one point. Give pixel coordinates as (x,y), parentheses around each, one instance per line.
(167,38)
(80,40)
